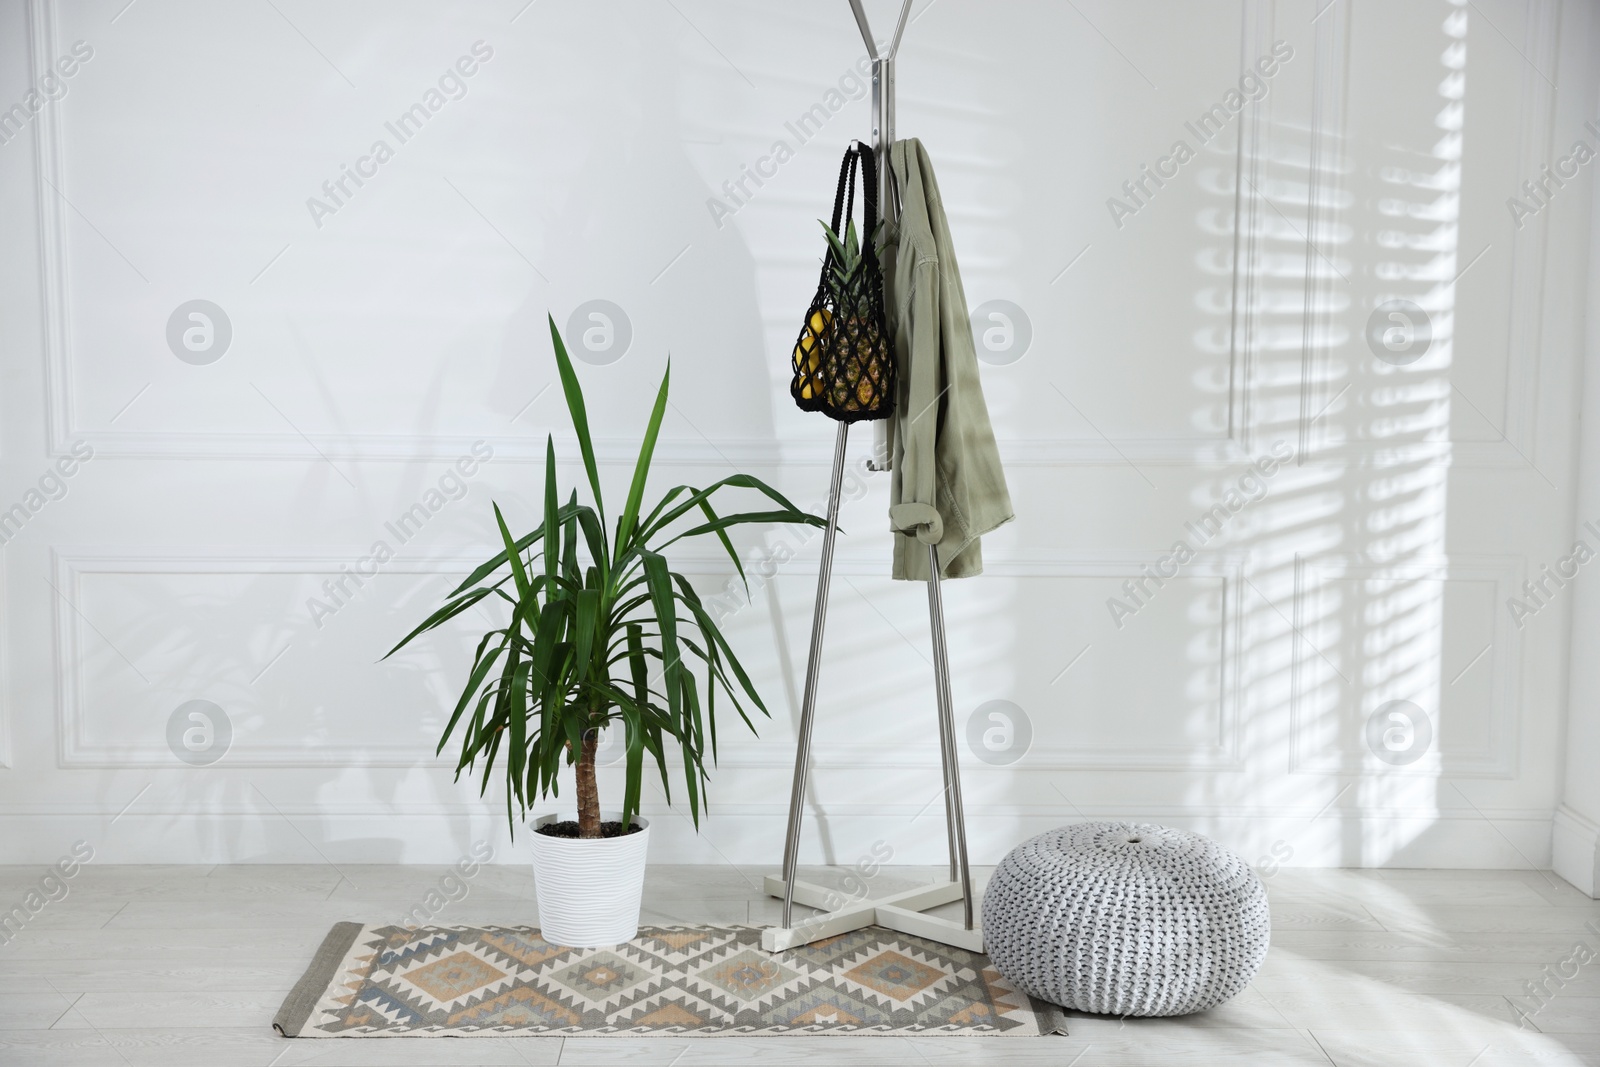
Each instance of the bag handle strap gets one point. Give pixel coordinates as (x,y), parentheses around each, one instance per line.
(847,187)
(869,181)
(844,198)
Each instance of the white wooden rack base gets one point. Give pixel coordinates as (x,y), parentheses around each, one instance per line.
(901,912)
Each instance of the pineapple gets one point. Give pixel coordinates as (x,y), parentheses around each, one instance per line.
(859,378)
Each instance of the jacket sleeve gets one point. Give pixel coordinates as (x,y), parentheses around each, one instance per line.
(913,509)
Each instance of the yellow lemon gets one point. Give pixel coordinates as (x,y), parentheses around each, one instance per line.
(805,362)
(807,353)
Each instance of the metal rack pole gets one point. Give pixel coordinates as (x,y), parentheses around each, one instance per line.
(955,816)
(808,702)
(955,819)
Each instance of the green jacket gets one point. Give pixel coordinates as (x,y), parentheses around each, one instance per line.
(947,486)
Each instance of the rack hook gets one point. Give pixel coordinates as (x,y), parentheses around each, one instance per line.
(866,29)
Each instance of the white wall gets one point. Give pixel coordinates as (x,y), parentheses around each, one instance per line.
(1171,345)
(1576,840)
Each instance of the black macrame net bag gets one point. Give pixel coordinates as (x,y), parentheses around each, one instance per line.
(844,364)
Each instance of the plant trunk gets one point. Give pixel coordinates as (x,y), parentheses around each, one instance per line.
(588,789)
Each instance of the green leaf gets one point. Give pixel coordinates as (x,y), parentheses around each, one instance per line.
(727,545)
(708,628)
(662,504)
(569,546)
(495,562)
(692,772)
(744,518)
(451,609)
(518,571)
(552,514)
(545,678)
(580,417)
(833,242)
(511,821)
(660,583)
(621,609)
(742,481)
(639,668)
(584,631)
(595,540)
(480,670)
(518,712)
(641,469)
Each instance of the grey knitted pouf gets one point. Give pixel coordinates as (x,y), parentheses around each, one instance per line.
(1126,919)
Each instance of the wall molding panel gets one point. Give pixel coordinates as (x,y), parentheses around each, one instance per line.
(1214,321)
(1498,757)
(74,632)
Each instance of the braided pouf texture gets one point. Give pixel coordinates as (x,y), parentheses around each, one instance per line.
(1126,919)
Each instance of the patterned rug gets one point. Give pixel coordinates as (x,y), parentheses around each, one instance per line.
(672,981)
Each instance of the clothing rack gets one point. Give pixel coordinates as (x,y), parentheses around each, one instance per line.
(903,911)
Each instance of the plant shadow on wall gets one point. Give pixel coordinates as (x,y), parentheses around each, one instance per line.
(660,103)
(651,119)
(232,676)
(652,129)
(600,630)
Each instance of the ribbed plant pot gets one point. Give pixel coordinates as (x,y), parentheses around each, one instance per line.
(589,889)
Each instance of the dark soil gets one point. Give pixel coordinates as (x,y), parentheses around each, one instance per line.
(570,829)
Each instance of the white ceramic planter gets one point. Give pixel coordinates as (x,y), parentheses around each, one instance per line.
(589,890)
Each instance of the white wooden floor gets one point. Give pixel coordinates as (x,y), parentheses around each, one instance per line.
(174,966)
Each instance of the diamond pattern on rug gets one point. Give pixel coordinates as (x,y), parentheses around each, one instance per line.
(674,1009)
(740,977)
(682,940)
(826,1008)
(894,975)
(453,977)
(516,946)
(687,981)
(523,1007)
(748,976)
(602,980)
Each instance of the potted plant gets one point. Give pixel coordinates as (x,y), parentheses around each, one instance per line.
(600,630)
